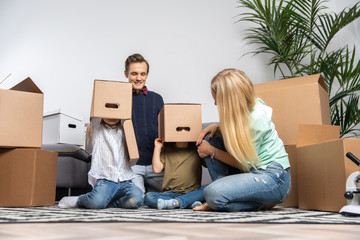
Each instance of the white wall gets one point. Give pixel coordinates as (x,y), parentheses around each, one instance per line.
(63,45)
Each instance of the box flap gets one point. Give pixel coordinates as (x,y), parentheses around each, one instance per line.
(26,85)
(312,133)
(131,141)
(291,82)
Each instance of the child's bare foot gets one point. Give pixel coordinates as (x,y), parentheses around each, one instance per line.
(204,207)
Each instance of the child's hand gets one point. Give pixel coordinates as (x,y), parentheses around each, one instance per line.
(158,143)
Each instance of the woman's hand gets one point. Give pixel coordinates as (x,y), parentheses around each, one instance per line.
(209,129)
(205,149)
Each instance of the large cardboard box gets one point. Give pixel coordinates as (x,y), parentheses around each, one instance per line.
(111,99)
(27,177)
(323,168)
(180,122)
(59,127)
(302,100)
(292,199)
(21,113)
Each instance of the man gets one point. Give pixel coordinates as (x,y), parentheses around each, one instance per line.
(146,106)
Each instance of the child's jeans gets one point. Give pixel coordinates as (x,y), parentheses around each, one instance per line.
(111,194)
(185,200)
(233,190)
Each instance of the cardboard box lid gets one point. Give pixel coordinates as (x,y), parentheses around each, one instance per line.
(61,111)
(313,133)
(111,99)
(27,85)
(293,82)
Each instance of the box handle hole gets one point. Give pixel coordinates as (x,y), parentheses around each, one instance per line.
(72,125)
(180,129)
(112,105)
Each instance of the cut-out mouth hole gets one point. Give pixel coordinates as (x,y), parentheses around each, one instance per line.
(112,105)
(179,129)
(72,126)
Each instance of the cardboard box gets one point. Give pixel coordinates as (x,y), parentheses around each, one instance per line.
(302,100)
(180,122)
(59,127)
(131,141)
(111,99)
(292,200)
(27,177)
(323,168)
(21,113)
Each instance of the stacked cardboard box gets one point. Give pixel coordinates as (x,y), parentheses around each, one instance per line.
(319,168)
(302,100)
(323,167)
(295,101)
(27,173)
(113,99)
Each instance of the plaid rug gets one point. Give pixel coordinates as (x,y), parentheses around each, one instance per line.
(278,215)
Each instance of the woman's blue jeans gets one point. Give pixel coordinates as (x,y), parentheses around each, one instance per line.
(185,200)
(234,191)
(111,194)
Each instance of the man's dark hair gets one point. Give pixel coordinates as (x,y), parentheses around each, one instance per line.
(135,58)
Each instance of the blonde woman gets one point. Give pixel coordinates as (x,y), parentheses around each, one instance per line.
(245,157)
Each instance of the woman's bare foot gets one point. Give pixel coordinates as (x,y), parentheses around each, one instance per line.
(204,207)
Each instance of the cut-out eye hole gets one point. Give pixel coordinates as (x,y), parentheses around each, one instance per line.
(72,126)
(186,129)
(111,105)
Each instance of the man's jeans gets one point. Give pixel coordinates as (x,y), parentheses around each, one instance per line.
(145,176)
(236,191)
(111,194)
(185,200)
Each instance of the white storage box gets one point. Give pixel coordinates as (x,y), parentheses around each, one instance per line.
(62,128)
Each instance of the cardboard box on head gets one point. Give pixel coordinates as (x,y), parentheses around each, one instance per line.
(21,115)
(111,99)
(180,122)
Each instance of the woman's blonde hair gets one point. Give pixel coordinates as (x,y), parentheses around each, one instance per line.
(235,98)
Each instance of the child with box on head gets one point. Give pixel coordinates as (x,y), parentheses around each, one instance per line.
(246,158)
(110,174)
(182,176)
(178,158)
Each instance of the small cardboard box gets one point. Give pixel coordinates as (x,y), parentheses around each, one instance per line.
(292,199)
(180,122)
(302,100)
(111,99)
(323,168)
(21,113)
(59,127)
(131,143)
(27,177)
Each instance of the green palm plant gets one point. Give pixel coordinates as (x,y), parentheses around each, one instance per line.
(296,34)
